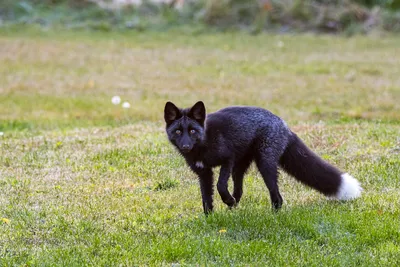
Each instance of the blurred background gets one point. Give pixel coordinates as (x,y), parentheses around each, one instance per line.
(347,16)
(62,61)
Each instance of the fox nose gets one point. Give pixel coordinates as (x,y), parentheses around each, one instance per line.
(185,148)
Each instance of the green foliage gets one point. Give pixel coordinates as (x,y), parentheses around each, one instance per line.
(393,4)
(166,184)
(256,16)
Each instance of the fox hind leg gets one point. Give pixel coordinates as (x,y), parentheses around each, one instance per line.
(267,164)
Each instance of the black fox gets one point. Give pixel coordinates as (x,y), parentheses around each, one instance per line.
(236,136)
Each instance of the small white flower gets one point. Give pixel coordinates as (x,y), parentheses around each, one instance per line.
(281,44)
(1,133)
(126,105)
(116,100)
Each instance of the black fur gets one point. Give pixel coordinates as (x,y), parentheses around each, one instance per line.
(315,173)
(233,138)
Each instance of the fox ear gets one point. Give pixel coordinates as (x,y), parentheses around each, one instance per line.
(171,113)
(198,112)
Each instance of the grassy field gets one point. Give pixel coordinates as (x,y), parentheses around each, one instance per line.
(84,182)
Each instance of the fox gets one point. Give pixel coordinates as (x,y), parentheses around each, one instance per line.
(233,138)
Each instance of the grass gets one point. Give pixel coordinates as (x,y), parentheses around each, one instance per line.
(86,183)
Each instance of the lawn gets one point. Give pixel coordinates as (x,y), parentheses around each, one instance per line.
(84,182)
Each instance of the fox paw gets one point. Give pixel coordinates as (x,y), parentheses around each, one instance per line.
(231,203)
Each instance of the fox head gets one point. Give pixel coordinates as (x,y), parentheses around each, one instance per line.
(185,127)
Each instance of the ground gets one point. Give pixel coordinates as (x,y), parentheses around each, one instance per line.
(85,182)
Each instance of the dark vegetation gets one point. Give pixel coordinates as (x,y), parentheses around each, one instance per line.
(320,16)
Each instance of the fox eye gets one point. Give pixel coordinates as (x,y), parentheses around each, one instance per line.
(178,132)
(192,131)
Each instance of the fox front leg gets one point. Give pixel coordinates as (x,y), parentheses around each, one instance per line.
(206,187)
(222,185)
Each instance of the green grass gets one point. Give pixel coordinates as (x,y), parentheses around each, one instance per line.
(84,182)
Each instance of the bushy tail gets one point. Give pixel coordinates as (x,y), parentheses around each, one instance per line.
(299,161)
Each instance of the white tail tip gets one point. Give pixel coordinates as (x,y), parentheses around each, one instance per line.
(349,188)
